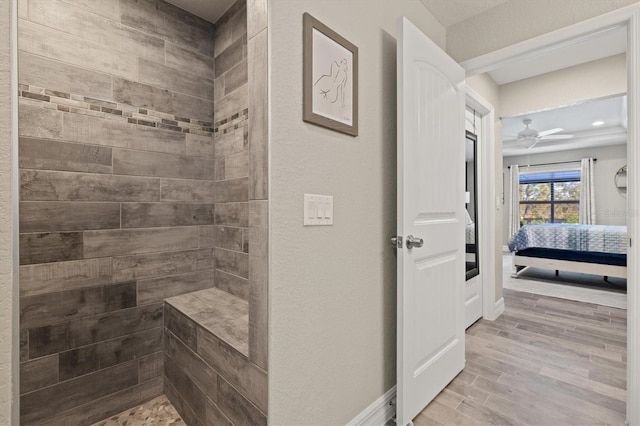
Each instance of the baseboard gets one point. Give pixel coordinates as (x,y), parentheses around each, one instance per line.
(499,308)
(379,412)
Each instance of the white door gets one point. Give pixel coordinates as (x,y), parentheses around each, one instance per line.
(430,207)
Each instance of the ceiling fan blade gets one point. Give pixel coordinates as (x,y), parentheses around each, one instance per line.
(550,131)
(556,137)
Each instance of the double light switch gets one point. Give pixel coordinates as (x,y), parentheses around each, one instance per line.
(318,209)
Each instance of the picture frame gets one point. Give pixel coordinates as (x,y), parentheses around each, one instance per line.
(330,73)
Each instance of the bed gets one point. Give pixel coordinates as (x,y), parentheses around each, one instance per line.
(589,249)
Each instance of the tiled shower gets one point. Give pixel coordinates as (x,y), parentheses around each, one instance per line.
(143,178)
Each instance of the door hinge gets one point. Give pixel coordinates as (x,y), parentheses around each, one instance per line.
(396,241)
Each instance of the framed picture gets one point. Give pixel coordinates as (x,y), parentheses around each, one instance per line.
(330,78)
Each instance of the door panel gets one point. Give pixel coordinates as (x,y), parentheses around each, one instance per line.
(430,206)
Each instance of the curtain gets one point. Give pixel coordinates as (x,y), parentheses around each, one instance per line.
(514,197)
(587,192)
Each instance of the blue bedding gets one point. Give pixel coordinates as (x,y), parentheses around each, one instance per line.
(587,238)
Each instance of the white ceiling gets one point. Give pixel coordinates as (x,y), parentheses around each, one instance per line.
(576,120)
(211,10)
(451,12)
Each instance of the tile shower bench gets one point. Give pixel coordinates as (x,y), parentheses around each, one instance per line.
(208,376)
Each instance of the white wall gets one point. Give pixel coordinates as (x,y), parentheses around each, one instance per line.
(597,79)
(519,20)
(8,299)
(611,207)
(332,290)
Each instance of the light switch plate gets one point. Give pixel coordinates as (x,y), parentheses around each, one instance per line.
(318,210)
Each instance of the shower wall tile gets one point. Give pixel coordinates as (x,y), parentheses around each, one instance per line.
(136,241)
(43,72)
(50,247)
(46,278)
(38,373)
(138,215)
(188,191)
(159,75)
(138,163)
(200,146)
(92,27)
(39,122)
(151,366)
(232,262)
(37,185)
(157,289)
(38,216)
(107,8)
(257,17)
(141,95)
(233,284)
(187,60)
(258,147)
(232,214)
(46,154)
(151,265)
(230,57)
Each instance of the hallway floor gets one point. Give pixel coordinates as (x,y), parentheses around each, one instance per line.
(545,361)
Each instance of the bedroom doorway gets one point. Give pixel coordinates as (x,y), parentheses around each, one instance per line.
(559,42)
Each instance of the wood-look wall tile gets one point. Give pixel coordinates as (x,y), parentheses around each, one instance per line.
(35,121)
(137,215)
(193,107)
(229,143)
(166,77)
(258,281)
(258,113)
(236,166)
(218,88)
(194,367)
(87,359)
(38,373)
(23,9)
(230,26)
(229,58)
(50,247)
(38,405)
(151,366)
(181,326)
(207,236)
(256,17)
(188,191)
(48,216)
(54,75)
(91,27)
(157,289)
(120,296)
(59,307)
(218,172)
(127,268)
(54,44)
(232,284)
(139,241)
(234,190)
(200,146)
(187,414)
(232,214)
(215,416)
(98,131)
(233,103)
(227,238)
(24,345)
(141,95)
(237,408)
(232,262)
(169,22)
(235,368)
(67,186)
(137,163)
(63,276)
(107,406)
(109,9)
(187,60)
(53,155)
(186,388)
(235,77)
(61,337)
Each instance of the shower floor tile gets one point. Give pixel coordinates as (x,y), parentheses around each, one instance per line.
(158,411)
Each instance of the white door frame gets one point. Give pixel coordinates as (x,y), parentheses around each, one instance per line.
(628,17)
(491,309)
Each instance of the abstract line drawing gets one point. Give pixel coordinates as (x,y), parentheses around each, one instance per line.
(332,85)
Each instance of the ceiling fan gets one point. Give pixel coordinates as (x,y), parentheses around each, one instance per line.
(528,137)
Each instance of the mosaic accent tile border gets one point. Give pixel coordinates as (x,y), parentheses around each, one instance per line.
(79,104)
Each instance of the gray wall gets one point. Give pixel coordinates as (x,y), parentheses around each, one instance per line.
(611,207)
(119,196)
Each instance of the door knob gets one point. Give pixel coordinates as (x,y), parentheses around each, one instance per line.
(414,241)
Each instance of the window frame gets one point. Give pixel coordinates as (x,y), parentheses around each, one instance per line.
(552,202)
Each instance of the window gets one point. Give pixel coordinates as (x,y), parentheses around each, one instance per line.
(550,197)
